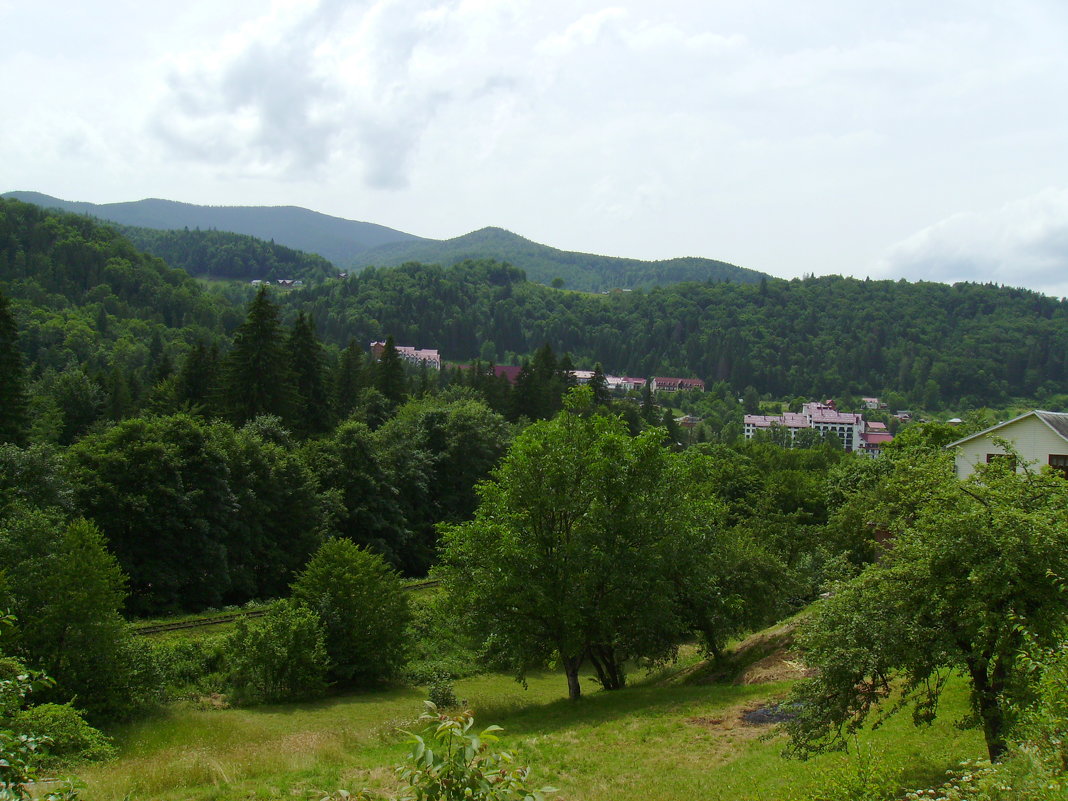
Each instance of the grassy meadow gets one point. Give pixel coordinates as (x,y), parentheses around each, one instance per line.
(671,736)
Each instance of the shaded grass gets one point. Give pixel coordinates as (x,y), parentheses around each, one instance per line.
(658,740)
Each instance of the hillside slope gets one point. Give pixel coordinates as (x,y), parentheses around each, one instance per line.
(542,263)
(333,238)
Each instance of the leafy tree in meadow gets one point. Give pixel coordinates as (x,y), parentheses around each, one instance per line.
(971,579)
(363,609)
(13,423)
(257,377)
(587,544)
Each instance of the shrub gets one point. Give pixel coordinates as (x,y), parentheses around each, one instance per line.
(363,608)
(192,667)
(71,738)
(441,692)
(450,762)
(278,657)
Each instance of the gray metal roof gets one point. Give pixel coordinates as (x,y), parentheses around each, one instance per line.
(1058,421)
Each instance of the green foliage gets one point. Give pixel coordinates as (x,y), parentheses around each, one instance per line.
(257,376)
(451,762)
(441,692)
(67,590)
(191,667)
(588,545)
(222,254)
(363,609)
(70,738)
(586,272)
(279,657)
(13,422)
(967,575)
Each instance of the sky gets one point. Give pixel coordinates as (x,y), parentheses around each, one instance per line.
(910,139)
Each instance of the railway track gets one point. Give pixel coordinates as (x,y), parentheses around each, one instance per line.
(230,617)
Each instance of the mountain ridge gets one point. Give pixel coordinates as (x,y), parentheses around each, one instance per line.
(354,245)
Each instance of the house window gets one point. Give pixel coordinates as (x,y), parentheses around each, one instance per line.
(1059,462)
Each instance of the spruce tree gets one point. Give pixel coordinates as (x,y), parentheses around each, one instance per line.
(307,362)
(349,380)
(257,378)
(389,377)
(13,420)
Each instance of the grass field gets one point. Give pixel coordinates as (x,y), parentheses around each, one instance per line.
(664,738)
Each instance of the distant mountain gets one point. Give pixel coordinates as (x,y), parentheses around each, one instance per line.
(333,238)
(352,245)
(543,264)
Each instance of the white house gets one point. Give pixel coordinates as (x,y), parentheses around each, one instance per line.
(1039,437)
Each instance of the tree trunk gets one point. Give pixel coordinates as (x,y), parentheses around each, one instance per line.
(988,704)
(571,670)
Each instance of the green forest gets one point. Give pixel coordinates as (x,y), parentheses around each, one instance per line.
(171,447)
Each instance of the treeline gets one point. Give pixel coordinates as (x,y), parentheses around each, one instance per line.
(225,255)
(966,345)
(547,265)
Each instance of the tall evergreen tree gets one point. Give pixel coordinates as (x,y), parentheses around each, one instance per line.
(309,370)
(196,384)
(389,377)
(599,385)
(257,378)
(350,378)
(12,380)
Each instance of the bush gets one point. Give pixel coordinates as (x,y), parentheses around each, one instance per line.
(279,657)
(440,691)
(192,667)
(71,738)
(450,762)
(363,608)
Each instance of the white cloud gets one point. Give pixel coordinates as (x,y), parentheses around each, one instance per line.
(1022,243)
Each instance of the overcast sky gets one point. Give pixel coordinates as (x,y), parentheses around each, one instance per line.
(904,139)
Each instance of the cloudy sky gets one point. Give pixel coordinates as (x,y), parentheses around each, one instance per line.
(906,139)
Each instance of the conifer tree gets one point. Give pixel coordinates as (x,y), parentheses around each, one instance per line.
(307,362)
(389,377)
(257,378)
(196,383)
(599,385)
(349,380)
(12,380)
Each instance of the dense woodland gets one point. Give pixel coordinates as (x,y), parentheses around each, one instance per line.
(168,449)
(227,256)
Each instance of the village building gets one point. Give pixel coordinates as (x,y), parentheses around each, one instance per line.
(416,356)
(668,384)
(1037,437)
(855,433)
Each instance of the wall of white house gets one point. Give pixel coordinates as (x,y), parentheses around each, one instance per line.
(1032,439)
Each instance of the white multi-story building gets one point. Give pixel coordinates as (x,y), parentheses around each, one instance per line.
(855,433)
(417,356)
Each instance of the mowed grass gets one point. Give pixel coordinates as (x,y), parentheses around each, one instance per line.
(658,740)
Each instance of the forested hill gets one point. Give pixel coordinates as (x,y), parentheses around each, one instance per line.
(934,344)
(336,239)
(544,264)
(352,245)
(221,254)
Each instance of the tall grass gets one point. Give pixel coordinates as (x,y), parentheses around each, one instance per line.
(655,741)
